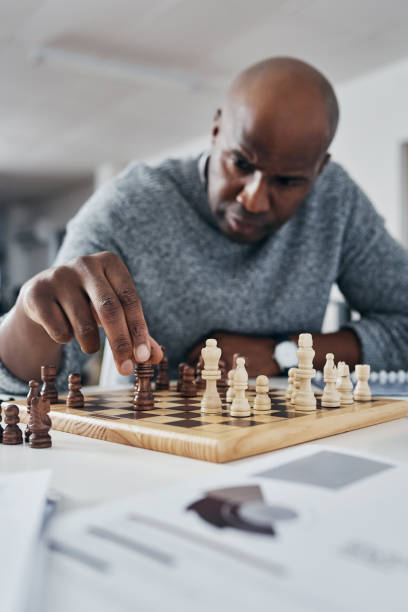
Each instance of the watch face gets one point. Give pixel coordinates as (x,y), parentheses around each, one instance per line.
(286,354)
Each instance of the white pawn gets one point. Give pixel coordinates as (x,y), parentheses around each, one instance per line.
(304,397)
(344,384)
(230,392)
(330,397)
(291,383)
(211,401)
(362,392)
(296,383)
(262,401)
(240,405)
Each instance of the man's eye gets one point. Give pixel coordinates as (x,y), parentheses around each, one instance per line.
(242,164)
(287,181)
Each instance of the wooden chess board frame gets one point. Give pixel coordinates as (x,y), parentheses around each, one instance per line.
(176,425)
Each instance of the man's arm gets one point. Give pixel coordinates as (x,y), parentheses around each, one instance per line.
(70,301)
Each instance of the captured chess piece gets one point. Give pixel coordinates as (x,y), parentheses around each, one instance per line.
(12,434)
(344,385)
(362,391)
(75,399)
(188,388)
(48,376)
(180,375)
(34,391)
(211,401)
(240,405)
(262,401)
(199,381)
(40,422)
(304,396)
(162,380)
(331,396)
(144,399)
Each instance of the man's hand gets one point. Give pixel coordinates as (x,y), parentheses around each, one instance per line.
(258,352)
(73,299)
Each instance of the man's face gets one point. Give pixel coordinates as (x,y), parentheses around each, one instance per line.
(259,176)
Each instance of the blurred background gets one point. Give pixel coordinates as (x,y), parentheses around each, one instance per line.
(89,85)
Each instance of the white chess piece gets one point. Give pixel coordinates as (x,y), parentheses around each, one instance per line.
(362,392)
(230,392)
(296,383)
(262,401)
(330,397)
(211,401)
(291,383)
(240,405)
(344,384)
(304,398)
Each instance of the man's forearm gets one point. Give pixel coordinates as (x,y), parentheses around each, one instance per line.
(344,344)
(25,346)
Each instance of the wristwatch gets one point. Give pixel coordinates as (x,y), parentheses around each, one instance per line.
(285,353)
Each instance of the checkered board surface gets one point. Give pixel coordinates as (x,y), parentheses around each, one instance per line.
(176,425)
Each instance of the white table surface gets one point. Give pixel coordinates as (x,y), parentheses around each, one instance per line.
(87,471)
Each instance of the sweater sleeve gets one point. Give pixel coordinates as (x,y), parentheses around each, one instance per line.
(92,230)
(373,277)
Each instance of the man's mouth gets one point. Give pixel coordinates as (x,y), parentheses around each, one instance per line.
(244,226)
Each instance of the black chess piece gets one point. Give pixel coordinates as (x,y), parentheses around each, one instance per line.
(144,399)
(75,399)
(12,433)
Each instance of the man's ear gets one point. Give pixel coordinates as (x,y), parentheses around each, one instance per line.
(216,125)
(325,160)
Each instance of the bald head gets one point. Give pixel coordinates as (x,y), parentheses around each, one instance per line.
(270,142)
(289,89)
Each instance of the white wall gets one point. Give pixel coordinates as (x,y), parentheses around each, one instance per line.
(369,143)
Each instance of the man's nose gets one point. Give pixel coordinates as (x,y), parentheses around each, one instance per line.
(254,194)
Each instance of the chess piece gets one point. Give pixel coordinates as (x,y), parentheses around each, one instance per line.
(40,422)
(180,375)
(230,392)
(222,384)
(291,383)
(48,376)
(188,388)
(296,383)
(331,396)
(135,380)
(12,434)
(211,401)
(162,380)
(362,391)
(262,401)
(304,397)
(199,381)
(344,385)
(144,399)
(34,391)
(1,429)
(75,399)
(240,405)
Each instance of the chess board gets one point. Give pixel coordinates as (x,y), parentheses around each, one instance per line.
(176,425)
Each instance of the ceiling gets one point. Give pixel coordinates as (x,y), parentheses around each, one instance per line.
(90,81)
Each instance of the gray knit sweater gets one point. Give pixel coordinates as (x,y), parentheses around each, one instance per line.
(192,279)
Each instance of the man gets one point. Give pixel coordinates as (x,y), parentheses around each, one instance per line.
(243,245)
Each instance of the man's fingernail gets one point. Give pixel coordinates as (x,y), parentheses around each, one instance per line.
(142,353)
(126,367)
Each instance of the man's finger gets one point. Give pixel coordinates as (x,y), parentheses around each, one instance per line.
(112,317)
(82,320)
(128,297)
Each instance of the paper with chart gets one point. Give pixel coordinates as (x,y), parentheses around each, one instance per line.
(310,528)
